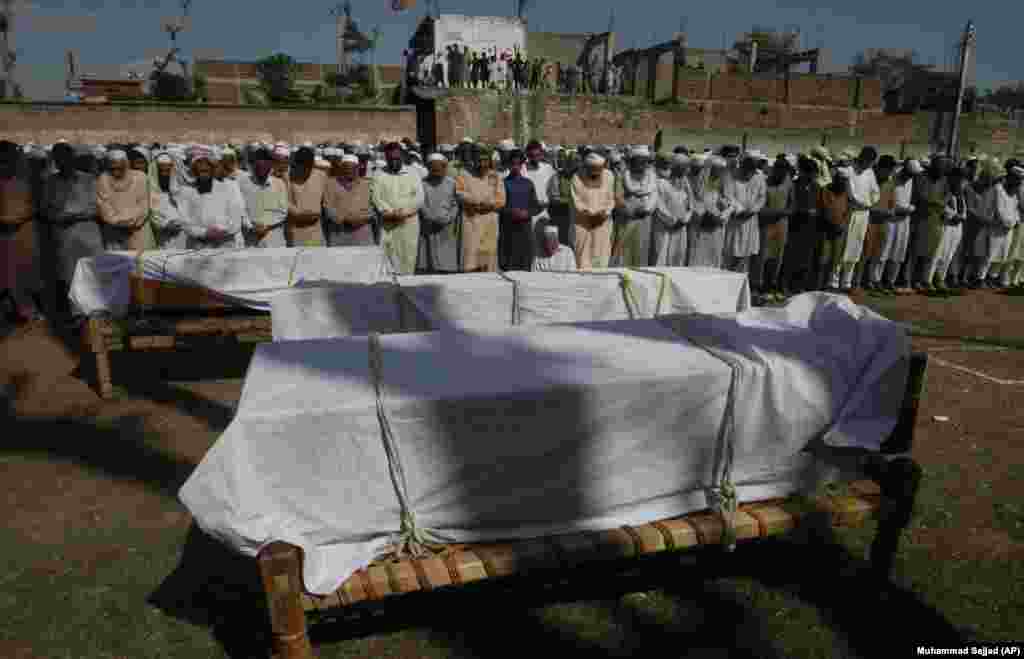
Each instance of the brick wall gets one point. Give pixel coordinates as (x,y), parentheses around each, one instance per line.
(45,123)
(584,119)
(818,90)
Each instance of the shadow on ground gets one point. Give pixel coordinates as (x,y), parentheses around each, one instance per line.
(214,587)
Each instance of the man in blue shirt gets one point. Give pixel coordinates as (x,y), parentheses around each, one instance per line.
(516,247)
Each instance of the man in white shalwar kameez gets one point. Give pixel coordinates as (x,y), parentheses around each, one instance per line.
(171,202)
(215,213)
(672,215)
(864,194)
(995,237)
(981,209)
(541,174)
(553,256)
(746,188)
(712,210)
(636,197)
(266,202)
(954,215)
(896,239)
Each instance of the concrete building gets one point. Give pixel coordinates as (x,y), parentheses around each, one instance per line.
(433,36)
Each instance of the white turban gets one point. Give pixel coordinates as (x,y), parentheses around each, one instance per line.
(595,160)
(416,155)
(350,158)
(507,145)
(467,140)
(436,157)
(717,161)
(1017,171)
(640,152)
(447,148)
(845,172)
(117,155)
(551,230)
(164,159)
(914,167)
(680,159)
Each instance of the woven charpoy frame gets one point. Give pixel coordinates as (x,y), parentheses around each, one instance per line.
(887,495)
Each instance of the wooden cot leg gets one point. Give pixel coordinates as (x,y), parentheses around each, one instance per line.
(103,384)
(95,343)
(280,567)
(899,480)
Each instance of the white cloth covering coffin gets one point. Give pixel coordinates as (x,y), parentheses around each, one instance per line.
(530,431)
(434,302)
(247,277)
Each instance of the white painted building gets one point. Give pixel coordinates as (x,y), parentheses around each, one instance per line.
(480,33)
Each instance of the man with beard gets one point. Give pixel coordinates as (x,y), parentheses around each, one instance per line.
(266,202)
(593,199)
(516,237)
(347,206)
(954,214)
(396,194)
(714,209)
(169,205)
(996,235)
(553,256)
(863,196)
(214,214)
(897,235)
(72,212)
(981,212)
(123,200)
(482,194)
(742,232)
(880,218)
(672,213)
(439,220)
(305,202)
(636,197)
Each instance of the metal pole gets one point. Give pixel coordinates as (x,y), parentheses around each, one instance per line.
(953,145)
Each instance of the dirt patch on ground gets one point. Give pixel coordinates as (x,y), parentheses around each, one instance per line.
(975,314)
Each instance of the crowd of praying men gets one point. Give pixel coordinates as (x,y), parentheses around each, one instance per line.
(814,221)
(509,70)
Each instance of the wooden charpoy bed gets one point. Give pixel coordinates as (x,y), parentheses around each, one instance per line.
(887,493)
(167,316)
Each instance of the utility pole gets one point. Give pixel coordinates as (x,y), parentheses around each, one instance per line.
(966,43)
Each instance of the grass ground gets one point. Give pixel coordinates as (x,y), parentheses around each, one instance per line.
(101,560)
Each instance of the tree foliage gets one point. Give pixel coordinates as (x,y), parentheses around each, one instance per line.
(771,45)
(1005,97)
(277,77)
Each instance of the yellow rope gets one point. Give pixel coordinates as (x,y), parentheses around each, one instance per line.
(663,280)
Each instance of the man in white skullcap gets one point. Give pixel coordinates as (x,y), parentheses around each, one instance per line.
(266,202)
(347,206)
(668,242)
(440,230)
(593,200)
(997,235)
(124,203)
(863,196)
(553,256)
(636,197)
(706,241)
(171,204)
(748,192)
(215,213)
(897,235)
(932,192)
(396,194)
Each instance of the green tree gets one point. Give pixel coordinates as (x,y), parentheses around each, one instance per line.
(168,86)
(200,87)
(277,77)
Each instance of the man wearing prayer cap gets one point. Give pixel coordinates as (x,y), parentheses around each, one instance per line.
(932,190)
(863,196)
(706,241)
(835,208)
(215,213)
(636,197)
(593,200)
(553,256)
(19,255)
(396,193)
(742,233)
(667,245)
(171,203)
(999,215)
(124,203)
(266,202)
(1013,265)
(439,226)
(482,194)
(347,206)
(306,189)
